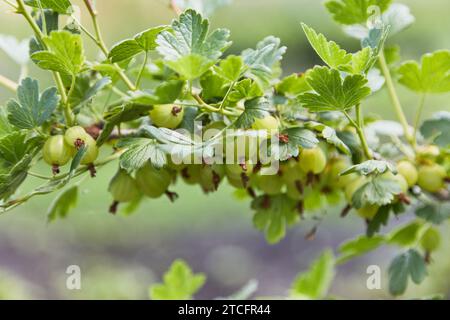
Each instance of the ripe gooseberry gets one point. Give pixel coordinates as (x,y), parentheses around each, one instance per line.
(76,136)
(431,177)
(167,115)
(153,182)
(312,160)
(409,172)
(91,151)
(123,188)
(56,152)
(210,177)
(431,240)
(270,184)
(266,123)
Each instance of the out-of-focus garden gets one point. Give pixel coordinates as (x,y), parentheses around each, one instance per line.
(120,256)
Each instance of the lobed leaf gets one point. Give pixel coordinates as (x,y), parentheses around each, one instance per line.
(180,283)
(32,109)
(257,108)
(262,60)
(329,51)
(273,215)
(142,42)
(65,53)
(331,93)
(432,76)
(60,6)
(378,191)
(406,265)
(349,12)
(188,48)
(371,167)
(140,151)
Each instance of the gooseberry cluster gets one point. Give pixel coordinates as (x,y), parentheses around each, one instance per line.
(60,149)
(170,81)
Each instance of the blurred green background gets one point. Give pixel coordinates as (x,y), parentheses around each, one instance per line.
(120,256)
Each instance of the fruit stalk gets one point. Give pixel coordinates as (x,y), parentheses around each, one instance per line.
(394,97)
(360,132)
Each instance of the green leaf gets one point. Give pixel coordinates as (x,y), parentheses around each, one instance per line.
(142,42)
(62,204)
(432,76)
(83,92)
(10,181)
(177,144)
(358,247)
(336,58)
(65,53)
(230,68)
(180,283)
(139,152)
(435,213)
(361,62)
(351,140)
(16,154)
(329,134)
(254,109)
(328,51)
(315,283)
(273,215)
(262,60)
(376,39)
(188,49)
(408,235)
(32,109)
(371,167)
(350,12)
(297,138)
(291,86)
(331,93)
(378,191)
(76,161)
(409,264)
(164,93)
(60,6)
(214,87)
(5,127)
(13,147)
(380,219)
(437,129)
(246,89)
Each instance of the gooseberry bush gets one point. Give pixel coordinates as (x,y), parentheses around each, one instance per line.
(150,102)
